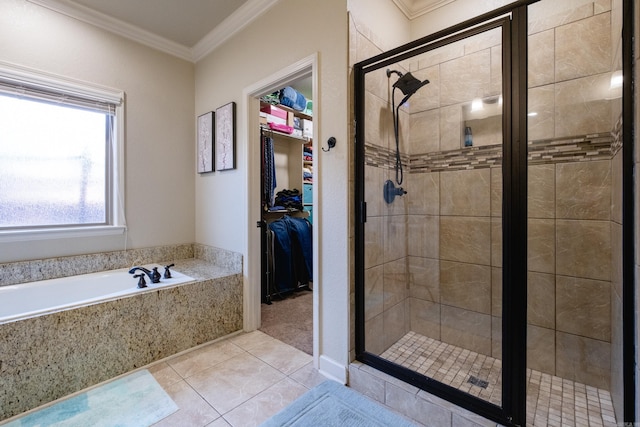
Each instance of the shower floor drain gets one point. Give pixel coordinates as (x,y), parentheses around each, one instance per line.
(478,382)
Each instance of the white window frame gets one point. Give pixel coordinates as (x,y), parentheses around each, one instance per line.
(19,76)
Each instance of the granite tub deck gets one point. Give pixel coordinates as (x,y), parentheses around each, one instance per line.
(50,356)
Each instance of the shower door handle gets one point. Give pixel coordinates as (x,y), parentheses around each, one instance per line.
(363,212)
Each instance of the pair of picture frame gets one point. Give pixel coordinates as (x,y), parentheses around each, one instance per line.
(216,140)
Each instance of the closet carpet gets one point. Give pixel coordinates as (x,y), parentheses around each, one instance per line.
(290,320)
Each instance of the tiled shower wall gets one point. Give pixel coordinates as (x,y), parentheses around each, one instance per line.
(433,258)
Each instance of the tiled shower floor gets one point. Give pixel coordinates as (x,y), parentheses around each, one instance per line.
(551,400)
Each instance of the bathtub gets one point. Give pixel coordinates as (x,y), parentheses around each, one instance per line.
(48,296)
(51,350)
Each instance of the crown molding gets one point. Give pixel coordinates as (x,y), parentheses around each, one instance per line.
(121,28)
(415,8)
(239,19)
(248,12)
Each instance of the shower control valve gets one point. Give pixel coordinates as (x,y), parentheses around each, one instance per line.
(391,191)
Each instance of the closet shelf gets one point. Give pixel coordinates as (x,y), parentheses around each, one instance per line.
(301,139)
(296,113)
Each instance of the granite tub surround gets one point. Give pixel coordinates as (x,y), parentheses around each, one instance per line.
(50,356)
(53,268)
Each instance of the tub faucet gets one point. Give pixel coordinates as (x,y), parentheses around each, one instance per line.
(154,275)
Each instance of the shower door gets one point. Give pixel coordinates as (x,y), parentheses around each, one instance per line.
(494,213)
(495,216)
(429,265)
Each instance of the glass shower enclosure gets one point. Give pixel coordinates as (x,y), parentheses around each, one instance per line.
(488,212)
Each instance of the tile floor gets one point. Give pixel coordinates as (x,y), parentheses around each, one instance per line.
(245,379)
(239,381)
(551,400)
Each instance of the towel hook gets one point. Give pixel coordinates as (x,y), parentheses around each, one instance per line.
(332,143)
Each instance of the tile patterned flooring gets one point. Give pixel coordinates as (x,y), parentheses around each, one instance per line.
(551,400)
(241,380)
(245,379)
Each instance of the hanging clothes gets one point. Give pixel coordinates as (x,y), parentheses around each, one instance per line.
(292,253)
(269,170)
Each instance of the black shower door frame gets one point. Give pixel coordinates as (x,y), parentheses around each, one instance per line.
(513,21)
(513,394)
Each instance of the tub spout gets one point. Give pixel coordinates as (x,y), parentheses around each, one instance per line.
(154,275)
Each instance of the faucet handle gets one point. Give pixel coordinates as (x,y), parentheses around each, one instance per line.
(155,275)
(141,282)
(167,273)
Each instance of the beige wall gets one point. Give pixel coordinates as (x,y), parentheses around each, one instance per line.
(159,147)
(387,25)
(451,14)
(288,33)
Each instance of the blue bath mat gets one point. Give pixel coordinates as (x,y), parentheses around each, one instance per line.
(333,405)
(136,400)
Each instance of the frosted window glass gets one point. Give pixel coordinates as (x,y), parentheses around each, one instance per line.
(52,164)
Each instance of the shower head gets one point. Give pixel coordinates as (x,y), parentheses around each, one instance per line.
(409,84)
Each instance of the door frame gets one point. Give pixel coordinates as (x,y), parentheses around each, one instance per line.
(252,282)
(512,20)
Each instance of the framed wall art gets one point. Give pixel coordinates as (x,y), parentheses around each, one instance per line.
(225,137)
(204,149)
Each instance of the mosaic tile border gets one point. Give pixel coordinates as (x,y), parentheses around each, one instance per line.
(573,149)
(600,146)
(381,157)
(462,159)
(616,146)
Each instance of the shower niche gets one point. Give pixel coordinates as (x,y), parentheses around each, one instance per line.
(481,123)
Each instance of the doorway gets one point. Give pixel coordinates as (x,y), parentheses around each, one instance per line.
(287,179)
(302,75)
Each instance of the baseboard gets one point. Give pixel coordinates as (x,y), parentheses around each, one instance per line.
(332,369)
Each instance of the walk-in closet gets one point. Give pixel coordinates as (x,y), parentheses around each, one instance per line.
(287,178)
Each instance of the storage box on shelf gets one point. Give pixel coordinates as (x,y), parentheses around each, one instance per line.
(298,124)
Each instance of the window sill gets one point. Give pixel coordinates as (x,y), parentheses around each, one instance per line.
(60,233)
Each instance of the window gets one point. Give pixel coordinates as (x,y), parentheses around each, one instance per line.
(60,152)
